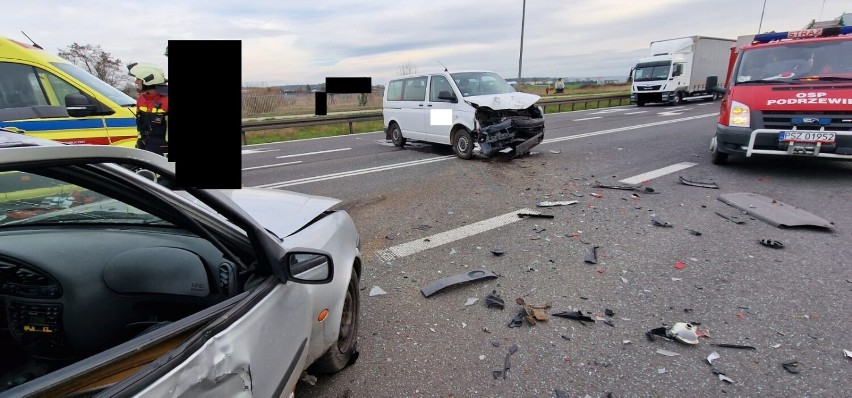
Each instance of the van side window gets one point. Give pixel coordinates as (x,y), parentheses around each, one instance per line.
(415,89)
(19,86)
(395,90)
(438,84)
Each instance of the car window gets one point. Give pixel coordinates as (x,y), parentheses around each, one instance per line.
(19,86)
(27,198)
(414,89)
(60,87)
(439,83)
(395,90)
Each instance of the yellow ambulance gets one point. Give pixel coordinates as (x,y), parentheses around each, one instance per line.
(45,96)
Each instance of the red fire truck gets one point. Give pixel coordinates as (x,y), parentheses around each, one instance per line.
(788,93)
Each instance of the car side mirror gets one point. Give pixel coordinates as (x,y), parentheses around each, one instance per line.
(79,105)
(447,96)
(308,267)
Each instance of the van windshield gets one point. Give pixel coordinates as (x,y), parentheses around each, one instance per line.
(481,83)
(96,84)
(795,61)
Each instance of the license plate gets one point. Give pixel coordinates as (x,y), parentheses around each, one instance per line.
(806,136)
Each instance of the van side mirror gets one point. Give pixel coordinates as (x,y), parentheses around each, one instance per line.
(79,105)
(447,96)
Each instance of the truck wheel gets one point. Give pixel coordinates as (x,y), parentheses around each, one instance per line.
(463,144)
(678,99)
(396,136)
(640,104)
(717,157)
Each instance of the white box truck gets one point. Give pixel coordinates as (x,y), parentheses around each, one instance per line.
(680,69)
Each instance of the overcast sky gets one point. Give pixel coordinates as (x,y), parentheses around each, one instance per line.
(297,42)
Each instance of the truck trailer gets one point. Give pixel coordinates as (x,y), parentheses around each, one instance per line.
(680,69)
(788,94)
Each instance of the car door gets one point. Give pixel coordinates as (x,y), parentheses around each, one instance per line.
(442,116)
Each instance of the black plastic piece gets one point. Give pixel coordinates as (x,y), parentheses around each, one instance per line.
(576,315)
(592,257)
(772,243)
(493,300)
(467,277)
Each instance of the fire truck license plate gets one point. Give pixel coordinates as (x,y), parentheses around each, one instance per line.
(806,136)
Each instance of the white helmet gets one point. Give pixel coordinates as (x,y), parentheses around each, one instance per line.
(150,74)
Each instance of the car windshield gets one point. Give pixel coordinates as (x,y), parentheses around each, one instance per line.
(481,83)
(825,60)
(27,199)
(652,71)
(98,85)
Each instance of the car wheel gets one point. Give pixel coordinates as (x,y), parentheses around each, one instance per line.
(717,157)
(341,352)
(463,144)
(396,136)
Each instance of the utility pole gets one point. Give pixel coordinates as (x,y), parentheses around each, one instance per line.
(521,58)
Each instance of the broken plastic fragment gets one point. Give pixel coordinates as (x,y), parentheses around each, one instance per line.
(470,301)
(535,215)
(666,352)
(518,320)
(312,380)
(377,291)
(493,300)
(498,252)
(534,313)
(467,277)
(772,243)
(623,279)
(561,393)
(683,332)
(725,378)
(741,347)
(556,203)
(592,257)
(661,370)
(846,353)
(506,364)
(660,223)
(596,195)
(774,212)
(482,357)
(732,218)
(779,345)
(609,312)
(694,232)
(702,184)
(713,356)
(792,366)
(575,315)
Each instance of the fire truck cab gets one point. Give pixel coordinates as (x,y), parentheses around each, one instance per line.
(788,93)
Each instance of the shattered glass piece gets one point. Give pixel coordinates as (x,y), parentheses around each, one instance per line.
(575,315)
(712,357)
(779,345)
(466,277)
(660,223)
(493,300)
(471,301)
(592,257)
(623,279)
(741,347)
(772,243)
(482,357)
(667,352)
(773,211)
(377,291)
(661,370)
(702,184)
(791,366)
(725,378)
(683,332)
(736,219)
(549,203)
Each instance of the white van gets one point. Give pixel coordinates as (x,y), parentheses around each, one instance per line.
(464,109)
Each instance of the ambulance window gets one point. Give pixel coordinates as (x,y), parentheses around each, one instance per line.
(19,86)
(60,87)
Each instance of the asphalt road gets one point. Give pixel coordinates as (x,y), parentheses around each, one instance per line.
(424,215)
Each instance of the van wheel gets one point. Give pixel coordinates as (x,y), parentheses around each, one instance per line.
(396,136)
(717,157)
(463,144)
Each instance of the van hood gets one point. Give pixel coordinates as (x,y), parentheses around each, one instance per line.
(281,212)
(504,101)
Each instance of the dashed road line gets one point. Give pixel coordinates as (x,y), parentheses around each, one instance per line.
(657,173)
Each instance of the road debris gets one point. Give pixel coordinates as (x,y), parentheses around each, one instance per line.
(712,357)
(609,312)
(661,370)
(774,212)
(561,393)
(625,187)
(549,203)
(421,227)
(575,315)
(534,215)
(694,232)
(377,291)
(681,332)
(772,243)
(660,223)
(470,301)
(666,352)
(466,277)
(847,354)
(596,195)
(498,252)
(680,265)
(592,257)
(533,312)
(734,218)
(310,379)
(791,366)
(702,184)
(737,346)
(506,364)
(555,151)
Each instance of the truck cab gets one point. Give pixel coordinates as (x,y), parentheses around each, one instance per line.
(45,96)
(788,94)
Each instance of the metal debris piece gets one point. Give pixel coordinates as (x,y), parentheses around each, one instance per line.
(534,313)
(493,300)
(666,352)
(626,187)
(660,223)
(772,243)
(737,346)
(549,203)
(694,232)
(712,357)
(377,291)
(702,184)
(736,219)
(592,257)
(466,277)
(791,366)
(774,212)
(575,315)
(534,215)
(470,301)
(683,332)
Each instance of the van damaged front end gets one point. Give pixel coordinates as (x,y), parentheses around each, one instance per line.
(519,125)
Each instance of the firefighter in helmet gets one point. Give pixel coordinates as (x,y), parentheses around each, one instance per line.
(152,107)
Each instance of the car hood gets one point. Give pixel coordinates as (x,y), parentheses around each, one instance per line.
(504,101)
(281,212)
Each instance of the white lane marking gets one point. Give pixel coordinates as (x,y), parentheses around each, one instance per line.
(607,111)
(252,151)
(635,113)
(271,165)
(429,242)
(626,128)
(312,153)
(353,172)
(657,173)
(670,113)
(588,118)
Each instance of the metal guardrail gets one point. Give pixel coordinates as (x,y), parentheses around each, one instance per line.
(365,117)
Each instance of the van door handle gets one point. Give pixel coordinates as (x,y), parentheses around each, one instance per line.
(429,105)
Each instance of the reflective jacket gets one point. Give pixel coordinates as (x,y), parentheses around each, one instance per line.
(152,110)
